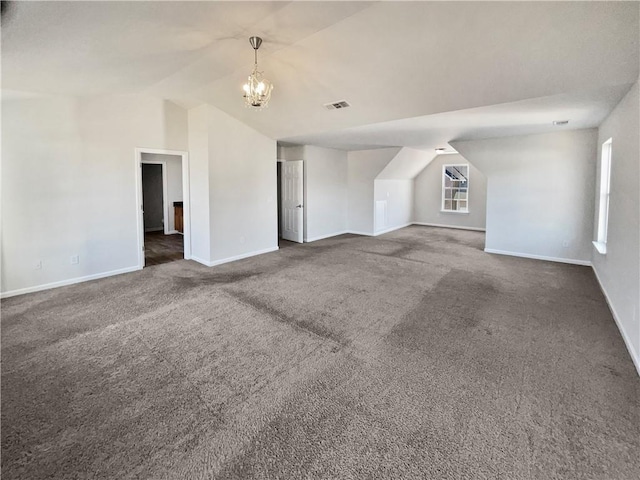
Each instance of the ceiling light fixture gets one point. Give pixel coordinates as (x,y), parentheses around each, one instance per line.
(444,151)
(560,122)
(257,90)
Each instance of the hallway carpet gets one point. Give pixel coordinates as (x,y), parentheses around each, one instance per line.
(412,355)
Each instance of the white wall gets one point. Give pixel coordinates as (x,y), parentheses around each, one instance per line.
(539,193)
(398,198)
(242,189)
(408,163)
(325,172)
(428,196)
(362,169)
(291,152)
(63,160)
(174,181)
(199,184)
(619,269)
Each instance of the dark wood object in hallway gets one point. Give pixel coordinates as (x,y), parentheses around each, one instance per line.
(178,216)
(160,248)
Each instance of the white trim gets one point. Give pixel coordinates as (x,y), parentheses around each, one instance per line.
(540,257)
(476,229)
(456,212)
(70,281)
(604,190)
(173,232)
(234,258)
(600,247)
(391,229)
(632,352)
(442,190)
(355,232)
(322,237)
(186,196)
(206,263)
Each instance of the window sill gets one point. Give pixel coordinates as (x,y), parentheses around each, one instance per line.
(601,247)
(455,212)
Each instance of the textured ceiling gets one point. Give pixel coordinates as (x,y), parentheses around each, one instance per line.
(416,73)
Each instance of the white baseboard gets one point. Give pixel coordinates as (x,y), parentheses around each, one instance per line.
(173,232)
(391,229)
(634,355)
(322,237)
(234,258)
(449,226)
(200,260)
(572,261)
(71,281)
(356,232)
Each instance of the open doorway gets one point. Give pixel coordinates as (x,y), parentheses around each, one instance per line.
(163,206)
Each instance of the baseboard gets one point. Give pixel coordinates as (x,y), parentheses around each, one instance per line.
(391,229)
(356,232)
(173,232)
(475,229)
(572,261)
(71,281)
(634,355)
(322,237)
(234,258)
(200,261)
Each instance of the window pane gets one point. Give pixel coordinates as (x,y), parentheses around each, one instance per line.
(455,196)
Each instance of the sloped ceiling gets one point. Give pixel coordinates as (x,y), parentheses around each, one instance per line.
(510,67)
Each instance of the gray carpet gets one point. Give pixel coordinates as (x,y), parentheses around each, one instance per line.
(409,355)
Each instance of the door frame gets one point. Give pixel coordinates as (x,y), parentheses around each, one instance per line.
(165,193)
(186,198)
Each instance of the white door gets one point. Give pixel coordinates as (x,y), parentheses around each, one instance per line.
(292,195)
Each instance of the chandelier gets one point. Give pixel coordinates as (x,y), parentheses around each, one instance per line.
(257,90)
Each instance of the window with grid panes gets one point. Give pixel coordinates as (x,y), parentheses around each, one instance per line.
(455,188)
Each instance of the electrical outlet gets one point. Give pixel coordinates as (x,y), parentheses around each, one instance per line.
(75,259)
(38,265)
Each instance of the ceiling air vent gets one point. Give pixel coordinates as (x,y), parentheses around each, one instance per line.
(337,105)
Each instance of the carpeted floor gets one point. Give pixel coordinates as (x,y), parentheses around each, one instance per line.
(409,355)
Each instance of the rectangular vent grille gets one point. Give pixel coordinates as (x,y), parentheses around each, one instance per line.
(337,105)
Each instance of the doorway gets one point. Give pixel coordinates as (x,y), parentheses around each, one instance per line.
(290,202)
(163,206)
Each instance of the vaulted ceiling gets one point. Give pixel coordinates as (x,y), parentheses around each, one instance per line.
(416,74)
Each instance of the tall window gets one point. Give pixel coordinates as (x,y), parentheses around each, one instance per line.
(455,188)
(603,205)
